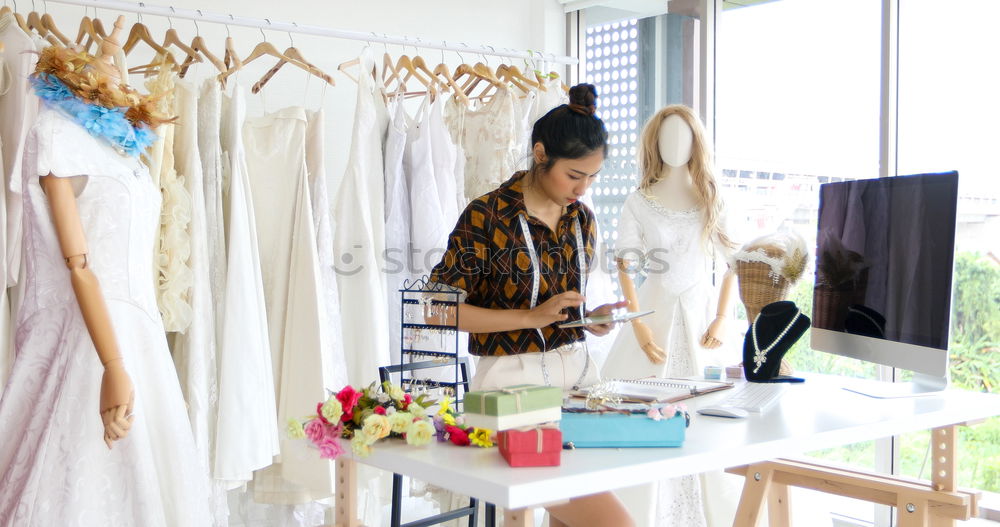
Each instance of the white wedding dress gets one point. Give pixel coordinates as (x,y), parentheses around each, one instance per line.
(54,466)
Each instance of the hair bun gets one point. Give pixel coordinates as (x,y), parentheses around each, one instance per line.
(583,99)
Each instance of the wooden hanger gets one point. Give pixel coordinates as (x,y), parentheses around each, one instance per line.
(421,65)
(199,45)
(140,33)
(505,75)
(294,54)
(442,70)
(262,49)
(50,25)
(171,39)
(89,32)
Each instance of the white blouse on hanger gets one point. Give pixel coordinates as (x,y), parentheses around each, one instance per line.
(489,138)
(397,218)
(445,153)
(428,231)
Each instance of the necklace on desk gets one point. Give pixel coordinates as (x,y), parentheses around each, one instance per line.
(760,355)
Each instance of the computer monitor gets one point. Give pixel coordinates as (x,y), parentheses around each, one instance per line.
(884,263)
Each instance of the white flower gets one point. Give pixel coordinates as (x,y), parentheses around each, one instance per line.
(360,445)
(419,433)
(390,410)
(400,421)
(332,410)
(396,392)
(383,398)
(416,410)
(376,427)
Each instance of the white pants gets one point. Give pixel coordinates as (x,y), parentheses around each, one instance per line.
(564,365)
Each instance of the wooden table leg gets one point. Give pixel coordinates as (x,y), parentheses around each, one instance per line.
(346,501)
(779,512)
(519,518)
(944,451)
(755,492)
(912,512)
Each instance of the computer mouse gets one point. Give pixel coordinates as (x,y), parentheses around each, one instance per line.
(723,411)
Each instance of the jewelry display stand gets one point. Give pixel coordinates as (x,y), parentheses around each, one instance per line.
(422,300)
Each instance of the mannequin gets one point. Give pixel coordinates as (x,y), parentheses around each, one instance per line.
(89,336)
(117,393)
(671,230)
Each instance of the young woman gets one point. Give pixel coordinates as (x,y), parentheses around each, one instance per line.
(521,253)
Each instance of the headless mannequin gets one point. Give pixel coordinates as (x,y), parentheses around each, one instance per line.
(675,191)
(117,393)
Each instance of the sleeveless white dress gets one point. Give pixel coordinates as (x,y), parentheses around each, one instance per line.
(54,466)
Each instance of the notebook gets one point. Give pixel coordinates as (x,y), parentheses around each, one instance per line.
(661,390)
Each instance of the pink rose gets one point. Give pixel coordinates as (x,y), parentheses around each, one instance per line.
(315,431)
(407,400)
(334,432)
(379,410)
(654,414)
(330,448)
(319,413)
(348,398)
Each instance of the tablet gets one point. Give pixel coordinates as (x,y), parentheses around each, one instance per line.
(605,319)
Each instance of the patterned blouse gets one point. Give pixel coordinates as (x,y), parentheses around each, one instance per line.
(487,258)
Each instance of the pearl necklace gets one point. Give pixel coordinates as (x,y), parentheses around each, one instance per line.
(760,355)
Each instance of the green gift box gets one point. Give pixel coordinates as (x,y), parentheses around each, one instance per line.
(512,407)
(513,400)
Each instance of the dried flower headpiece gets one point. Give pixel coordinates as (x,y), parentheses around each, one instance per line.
(77,71)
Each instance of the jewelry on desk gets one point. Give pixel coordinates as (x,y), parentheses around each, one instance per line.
(760,355)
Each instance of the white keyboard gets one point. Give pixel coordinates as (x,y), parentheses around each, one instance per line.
(754,397)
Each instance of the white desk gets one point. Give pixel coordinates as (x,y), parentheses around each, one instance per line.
(813,415)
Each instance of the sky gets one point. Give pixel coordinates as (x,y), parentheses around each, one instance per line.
(798,88)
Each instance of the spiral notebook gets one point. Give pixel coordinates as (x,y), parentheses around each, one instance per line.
(663,390)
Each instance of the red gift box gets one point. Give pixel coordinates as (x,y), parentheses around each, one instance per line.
(533,447)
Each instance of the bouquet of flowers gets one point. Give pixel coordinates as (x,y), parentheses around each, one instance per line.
(450,426)
(365,417)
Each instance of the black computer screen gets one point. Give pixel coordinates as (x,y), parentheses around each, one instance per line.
(884,258)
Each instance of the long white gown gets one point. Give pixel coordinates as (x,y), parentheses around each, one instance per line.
(194,350)
(293,291)
(335,361)
(428,230)
(359,236)
(54,466)
(397,219)
(247,428)
(679,286)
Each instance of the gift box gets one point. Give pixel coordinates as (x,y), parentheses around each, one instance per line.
(622,430)
(513,407)
(535,447)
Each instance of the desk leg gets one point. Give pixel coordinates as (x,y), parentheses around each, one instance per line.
(944,450)
(346,502)
(755,492)
(912,512)
(519,517)
(779,512)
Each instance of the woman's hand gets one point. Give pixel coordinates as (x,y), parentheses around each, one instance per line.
(713,335)
(603,329)
(117,398)
(644,336)
(551,311)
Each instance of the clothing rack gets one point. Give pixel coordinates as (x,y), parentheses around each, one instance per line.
(200,15)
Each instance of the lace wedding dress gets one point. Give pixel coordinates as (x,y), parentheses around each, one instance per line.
(54,466)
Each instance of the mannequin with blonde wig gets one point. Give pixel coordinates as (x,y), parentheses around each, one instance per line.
(672,231)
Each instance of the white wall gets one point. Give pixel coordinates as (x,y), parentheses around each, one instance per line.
(518,24)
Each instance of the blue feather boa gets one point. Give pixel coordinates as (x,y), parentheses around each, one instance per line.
(107,124)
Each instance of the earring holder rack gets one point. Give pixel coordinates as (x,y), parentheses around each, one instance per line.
(427,295)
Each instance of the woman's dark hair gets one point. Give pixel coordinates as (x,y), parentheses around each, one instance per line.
(571,131)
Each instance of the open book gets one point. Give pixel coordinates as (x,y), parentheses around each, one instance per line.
(662,390)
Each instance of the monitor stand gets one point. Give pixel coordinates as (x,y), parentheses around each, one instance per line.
(921,386)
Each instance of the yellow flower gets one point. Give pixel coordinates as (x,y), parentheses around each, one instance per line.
(419,433)
(481,438)
(400,421)
(448,419)
(332,410)
(360,445)
(295,430)
(376,427)
(445,405)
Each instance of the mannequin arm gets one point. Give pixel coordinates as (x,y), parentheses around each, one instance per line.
(116,386)
(643,334)
(713,336)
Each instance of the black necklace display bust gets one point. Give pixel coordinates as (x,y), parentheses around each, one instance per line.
(777,328)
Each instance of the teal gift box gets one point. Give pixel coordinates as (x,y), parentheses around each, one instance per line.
(617,430)
(513,407)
